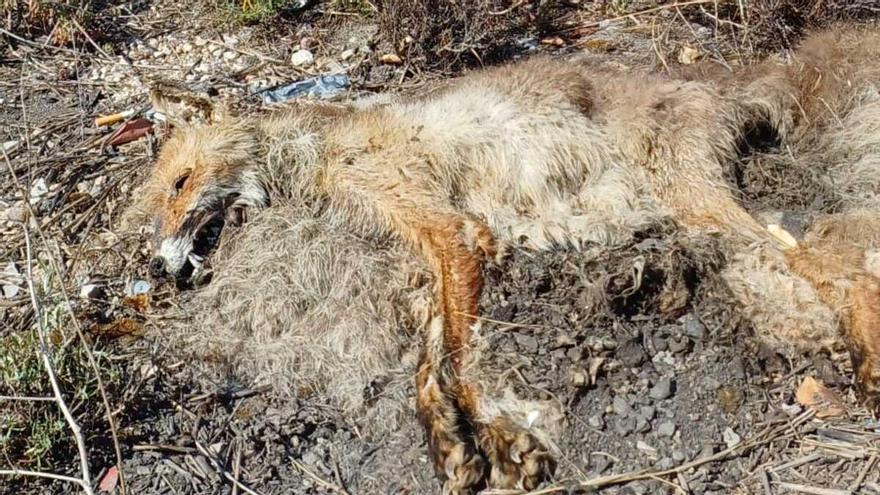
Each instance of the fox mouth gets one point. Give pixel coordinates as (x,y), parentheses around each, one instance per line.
(194,271)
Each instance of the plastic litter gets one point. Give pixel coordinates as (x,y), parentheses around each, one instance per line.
(323,87)
(137,287)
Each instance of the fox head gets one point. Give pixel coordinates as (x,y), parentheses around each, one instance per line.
(205,178)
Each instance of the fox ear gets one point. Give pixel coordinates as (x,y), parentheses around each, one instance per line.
(181,106)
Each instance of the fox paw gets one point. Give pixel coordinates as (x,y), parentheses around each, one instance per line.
(519,459)
(462,468)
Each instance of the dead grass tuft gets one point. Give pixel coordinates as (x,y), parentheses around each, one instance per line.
(444,34)
(59,20)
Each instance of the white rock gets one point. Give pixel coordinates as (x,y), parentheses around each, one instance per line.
(39,189)
(230,55)
(89,291)
(346,54)
(730,437)
(186,47)
(302,58)
(199,41)
(11,279)
(16,213)
(646,449)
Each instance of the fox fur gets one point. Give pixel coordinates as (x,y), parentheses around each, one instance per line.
(503,157)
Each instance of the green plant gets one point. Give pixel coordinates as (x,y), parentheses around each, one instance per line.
(33,433)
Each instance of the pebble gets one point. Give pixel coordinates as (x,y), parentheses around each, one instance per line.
(637,488)
(90,291)
(17,213)
(230,55)
(11,275)
(39,188)
(730,437)
(694,328)
(346,54)
(578,378)
(665,463)
(527,342)
(666,429)
(596,421)
(621,406)
(678,455)
(662,390)
(646,449)
(624,426)
(302,58)
(647,412)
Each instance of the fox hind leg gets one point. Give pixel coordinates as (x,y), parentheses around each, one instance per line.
(450,402)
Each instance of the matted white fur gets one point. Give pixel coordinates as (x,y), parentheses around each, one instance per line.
(310,309)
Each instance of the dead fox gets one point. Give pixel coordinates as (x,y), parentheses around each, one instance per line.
(542,152)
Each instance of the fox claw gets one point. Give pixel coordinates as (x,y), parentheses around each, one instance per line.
(518,458)
(463,469)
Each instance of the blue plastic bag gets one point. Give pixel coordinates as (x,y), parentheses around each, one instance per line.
(320,87)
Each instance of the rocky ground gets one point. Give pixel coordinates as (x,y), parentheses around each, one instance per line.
(662,385)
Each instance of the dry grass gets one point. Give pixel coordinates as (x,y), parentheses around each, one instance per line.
(59,20)
(444,34)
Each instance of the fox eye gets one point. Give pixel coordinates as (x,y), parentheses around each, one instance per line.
(180,182)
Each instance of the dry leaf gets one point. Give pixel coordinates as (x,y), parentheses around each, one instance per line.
(108,482)
(824,401)
(139,303)
(689,55)
(119,328)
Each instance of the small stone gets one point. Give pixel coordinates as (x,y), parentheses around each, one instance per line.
(596,421)
(302,58)
(624,426)
(662,390)
(666,429)
(346,54)
(694,328)
(621,406)
(678,455)
(38,189)
(647,412)
(10,291)
(730,437)
(637,488)
(564,340)
(578,378)
(90,291)
(306,43)
(17,213)
(646,449)
(527,342)
(706,451)
(199,41)
(665,463)
(601,463)
(230,55)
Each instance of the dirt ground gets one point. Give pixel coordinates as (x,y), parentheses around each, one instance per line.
(663,386)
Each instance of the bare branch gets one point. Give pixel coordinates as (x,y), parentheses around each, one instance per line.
(50,371)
